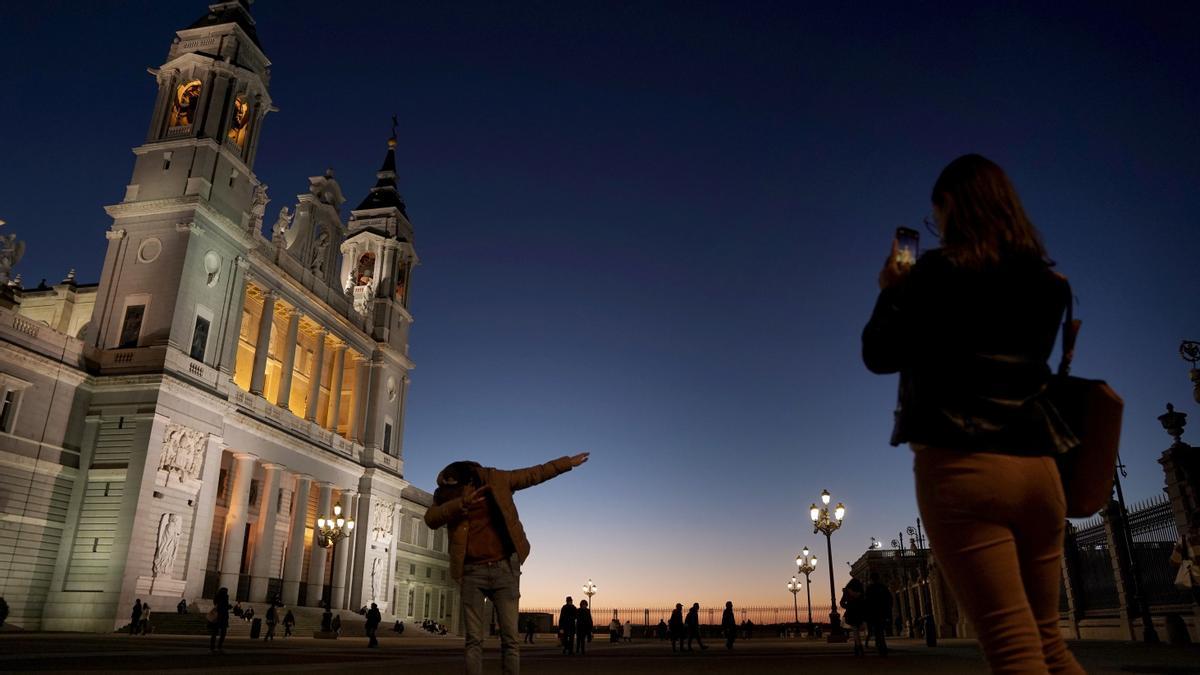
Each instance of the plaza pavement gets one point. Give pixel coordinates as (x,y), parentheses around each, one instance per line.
(409,654)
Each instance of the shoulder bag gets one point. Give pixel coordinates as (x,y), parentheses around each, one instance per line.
(1092,410)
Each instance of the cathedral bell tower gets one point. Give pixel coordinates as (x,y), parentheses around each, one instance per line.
(193,205)
(377,263)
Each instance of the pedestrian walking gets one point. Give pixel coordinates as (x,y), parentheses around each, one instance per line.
(692,621)
(854,602)
(488,546)
(583,627)
(970,328)
(289,622)
(272,618)
(614,628)
(676,628)
(729,624)
(218,620)
(135,617)
(530,629)
(879,612)
(335,625)
(374,618)
(627,631)
(567,617)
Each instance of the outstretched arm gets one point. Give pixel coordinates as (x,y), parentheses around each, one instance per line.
(519,479)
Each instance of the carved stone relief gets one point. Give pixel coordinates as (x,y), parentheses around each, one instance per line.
(169,528)
(384,519)
(377,573)
(183,452)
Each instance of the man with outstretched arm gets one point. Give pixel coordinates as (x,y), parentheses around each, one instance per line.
(488,546)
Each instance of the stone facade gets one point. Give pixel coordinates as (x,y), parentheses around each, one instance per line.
(181,425)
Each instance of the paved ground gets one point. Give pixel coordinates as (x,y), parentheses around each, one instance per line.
(434,656)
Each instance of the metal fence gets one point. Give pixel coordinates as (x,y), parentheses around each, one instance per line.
(710,616)
(1154,533)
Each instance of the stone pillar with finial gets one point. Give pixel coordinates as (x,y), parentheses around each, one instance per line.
(11,251)
(1181,464)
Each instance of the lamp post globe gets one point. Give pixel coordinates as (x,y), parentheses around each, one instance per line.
(827,523)
(806,563)
(590,589)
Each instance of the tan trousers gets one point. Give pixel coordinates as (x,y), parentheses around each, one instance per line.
(995,526)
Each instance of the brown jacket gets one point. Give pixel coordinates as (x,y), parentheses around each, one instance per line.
(503,484)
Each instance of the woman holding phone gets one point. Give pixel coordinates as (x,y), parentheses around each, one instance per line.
(970,327)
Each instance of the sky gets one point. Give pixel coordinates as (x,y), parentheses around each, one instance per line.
(652,231)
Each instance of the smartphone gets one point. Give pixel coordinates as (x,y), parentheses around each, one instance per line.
(906,245)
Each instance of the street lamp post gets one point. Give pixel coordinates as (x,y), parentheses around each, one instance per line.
(827,525)
(332,530)
(590,589)
(1190,351)
(806,564)
(793,586)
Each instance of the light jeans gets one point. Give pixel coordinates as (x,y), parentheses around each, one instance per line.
(499,582)
(995,525)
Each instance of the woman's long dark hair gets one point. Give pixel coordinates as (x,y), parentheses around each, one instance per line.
(984,223)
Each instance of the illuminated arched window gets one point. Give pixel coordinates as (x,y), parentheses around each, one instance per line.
(183,104)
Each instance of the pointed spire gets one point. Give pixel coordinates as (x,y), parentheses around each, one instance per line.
(385,193)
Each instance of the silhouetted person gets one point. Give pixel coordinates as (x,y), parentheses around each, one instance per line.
(566,624)
(854,602)
(272,618)
(692,621)
(374,618)
(749,629)
(335,625)
(398,628)
(218,628)
(289,622)
(181,608)
(970,328)
(488,546)
(144,624)
(135,617)
(614,628)
(627,631)
(879,611)
(729,624)
(583,627)
(660,631)
(530,629)
(676,628)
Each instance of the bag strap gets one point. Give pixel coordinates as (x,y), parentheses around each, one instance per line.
(1070,331)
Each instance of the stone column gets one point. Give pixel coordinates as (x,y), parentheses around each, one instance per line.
(314,388)
(316,562)
(293,563)
(264,533)
(235,521)
(335,388)
(341,556)
(289,359)
(263,346)
(362,378)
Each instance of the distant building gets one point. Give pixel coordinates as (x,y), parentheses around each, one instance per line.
(918,590)
(181,425)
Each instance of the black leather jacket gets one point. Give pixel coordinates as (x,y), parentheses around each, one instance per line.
(971,348)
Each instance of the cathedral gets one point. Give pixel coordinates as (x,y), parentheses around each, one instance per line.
(219,408)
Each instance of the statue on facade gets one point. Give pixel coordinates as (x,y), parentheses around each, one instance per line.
(258,207)
(316,263)
(169,529)
(385,519)
(282,224)
(11,252)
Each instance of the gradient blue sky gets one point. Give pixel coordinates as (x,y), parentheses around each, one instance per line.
(652,231)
